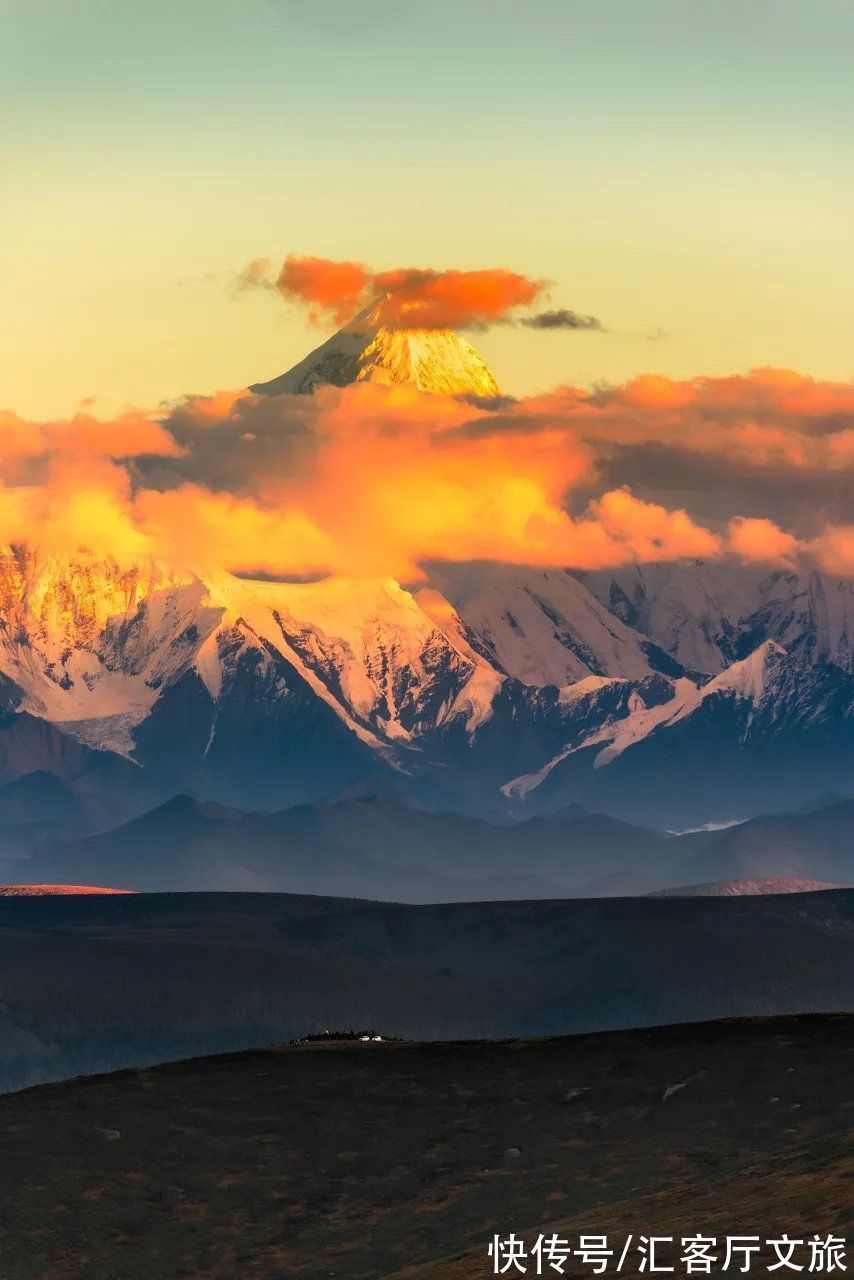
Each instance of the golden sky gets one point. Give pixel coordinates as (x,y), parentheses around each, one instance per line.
(681,171)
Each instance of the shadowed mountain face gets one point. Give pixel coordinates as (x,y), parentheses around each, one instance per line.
(382,848)
(43,795)
(816,844)
(400,1162)
(100,982)
(371,847)
(37,808)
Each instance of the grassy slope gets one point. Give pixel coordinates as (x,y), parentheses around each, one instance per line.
(378,1161)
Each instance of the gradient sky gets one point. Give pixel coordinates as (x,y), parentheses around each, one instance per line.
(678,168)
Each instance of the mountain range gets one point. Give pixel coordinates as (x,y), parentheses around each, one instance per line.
(499,691)
(383,848)
(668,695)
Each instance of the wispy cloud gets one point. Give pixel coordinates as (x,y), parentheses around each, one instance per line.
(563,319)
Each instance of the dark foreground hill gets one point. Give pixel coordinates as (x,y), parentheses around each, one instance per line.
(101,982)
(385,1162)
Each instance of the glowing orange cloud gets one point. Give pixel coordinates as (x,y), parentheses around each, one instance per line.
(649,531)
(209,530)
(760,539)
(408,297)
(834,549)
(767,418)
(130,435)
(330,289)
(756,395)
(368,480)
(453,299)
(391,482)
(84,502)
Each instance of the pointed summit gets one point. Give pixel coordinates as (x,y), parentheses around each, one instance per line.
(367,350)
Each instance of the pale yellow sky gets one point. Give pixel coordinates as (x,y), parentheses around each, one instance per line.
(685,172)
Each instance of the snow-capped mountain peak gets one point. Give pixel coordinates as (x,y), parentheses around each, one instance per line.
(93,647)
(752,677)
(84,639)
(438,361)
(543,626)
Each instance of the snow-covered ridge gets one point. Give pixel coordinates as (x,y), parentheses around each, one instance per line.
(489,673)
(368,650)
(749,680)
(710,614)
(85,639)
(542,626)
(92,646)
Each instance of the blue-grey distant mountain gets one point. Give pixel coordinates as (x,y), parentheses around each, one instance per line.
(373,847)
(382,848)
